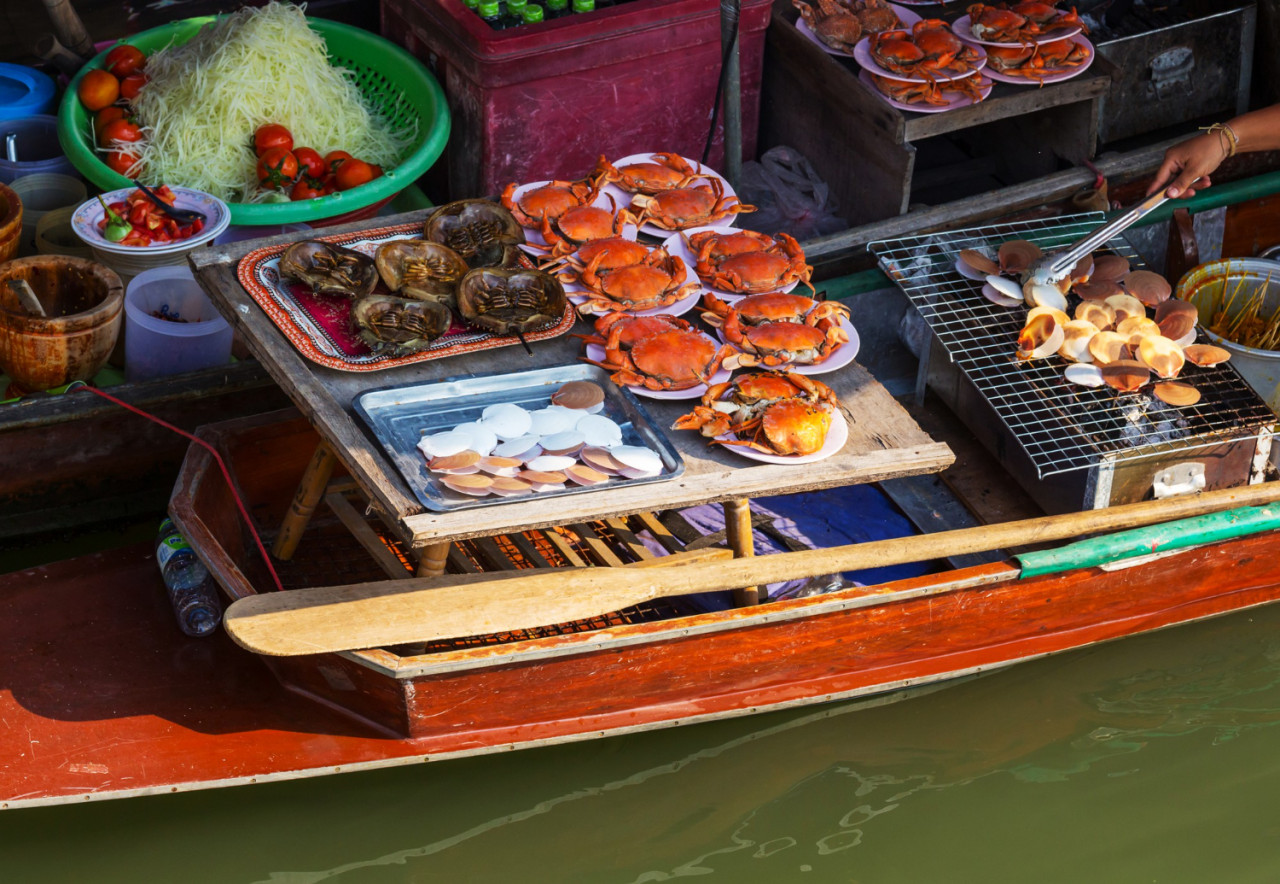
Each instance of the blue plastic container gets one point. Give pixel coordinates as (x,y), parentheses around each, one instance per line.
(25,92)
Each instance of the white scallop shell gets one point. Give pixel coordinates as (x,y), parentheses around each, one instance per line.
(548,421)
(999,298)
(550,463)
(521,447)
(444,444)
(482,438)
(636,457)
(1039,295)
(1085,374)
(598,430)
(507,421)
(570,440)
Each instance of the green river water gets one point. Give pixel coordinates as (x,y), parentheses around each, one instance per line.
(1152,759)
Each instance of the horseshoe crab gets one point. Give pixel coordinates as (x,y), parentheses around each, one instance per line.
(510,301)
(327,269)
(421,270)
(399,325)
(484,233)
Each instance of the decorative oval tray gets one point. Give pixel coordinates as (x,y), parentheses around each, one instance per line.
(319,325)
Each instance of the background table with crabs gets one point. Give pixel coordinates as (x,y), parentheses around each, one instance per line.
(884,442)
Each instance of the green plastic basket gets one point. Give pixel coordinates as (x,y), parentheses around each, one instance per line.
(395,84)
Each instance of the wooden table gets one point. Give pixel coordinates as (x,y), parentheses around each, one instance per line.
(884,442)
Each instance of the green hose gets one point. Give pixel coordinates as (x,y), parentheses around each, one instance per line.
(1179,534)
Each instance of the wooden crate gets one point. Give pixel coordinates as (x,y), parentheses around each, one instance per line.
(867,150)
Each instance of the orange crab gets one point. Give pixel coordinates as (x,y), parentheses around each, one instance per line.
(688,207)
(773,263)
(656,281)
(551,200)
(672,359)
(832,22)
(997,24)
(728,406)
(777,329)
(667,171)
(1048,17)
(943,50)
(1038,62)
(874,15)
(566,234)
(620,331)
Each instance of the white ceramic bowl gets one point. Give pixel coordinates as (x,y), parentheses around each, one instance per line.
(129,261)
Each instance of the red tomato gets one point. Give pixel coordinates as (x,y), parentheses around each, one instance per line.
(270,136)
(353,173)
(131,85)
(336,158)
(98,89)
(311,163)
(107,115)
(277,169)
(121,161)
(119,130)
(308,188)
(124,59)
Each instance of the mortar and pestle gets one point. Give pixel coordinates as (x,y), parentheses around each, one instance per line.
(10,222)
(82,303)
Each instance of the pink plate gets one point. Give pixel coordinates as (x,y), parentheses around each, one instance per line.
(596,352)
(954,99)
(675,245)
(964,30)
(839,358)
(906,16)
(623,198)
(534,236)
(1051,75)
(579,294)
(862,55)
(837,435)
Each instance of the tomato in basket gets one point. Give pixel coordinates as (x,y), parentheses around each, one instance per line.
(124,60)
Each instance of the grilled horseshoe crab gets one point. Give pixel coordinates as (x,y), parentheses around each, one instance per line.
(397,326)
(421,270)
(328,269)
(484,233)
(508,302)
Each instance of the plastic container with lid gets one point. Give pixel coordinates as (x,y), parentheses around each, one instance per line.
(25,91)
(36,148)
(194,336)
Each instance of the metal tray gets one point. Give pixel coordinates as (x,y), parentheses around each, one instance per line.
(400,416)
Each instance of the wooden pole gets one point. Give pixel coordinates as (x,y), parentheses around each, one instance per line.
(310,489)
(69,28)
(738,531)
(730,28)
(367,615)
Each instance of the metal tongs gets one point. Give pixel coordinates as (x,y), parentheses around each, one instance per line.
(183,216)
(1054,267)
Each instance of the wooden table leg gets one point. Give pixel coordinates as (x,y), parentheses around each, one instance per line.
(433,559)
(314,480)
(737,523)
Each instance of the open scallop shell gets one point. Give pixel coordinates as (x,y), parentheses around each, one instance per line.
(637,458)
(444,444)
(474,485)
(1176,393)
(1017,255)
(1039,295)
(1147,286)
(978,262)
(1075,344)
(1108,346)
(1134,328)
(998,297)
(1082,271)
(1085,374)
(510,486)
(599,431)
(580,394)
(1058,315)
(458,464)
(500,466)
(1125,306)
(1125,375)
(1109,268)
(1099,314)
(1205,355)
(1097,289)
(1177,322)
(600,459)
(1040,337)
(1161,355)
(581,474)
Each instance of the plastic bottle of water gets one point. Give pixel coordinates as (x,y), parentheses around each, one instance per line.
(191,590)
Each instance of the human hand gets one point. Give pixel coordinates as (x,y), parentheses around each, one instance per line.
(1190,161)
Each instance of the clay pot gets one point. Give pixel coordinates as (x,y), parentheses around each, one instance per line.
(83,302)
(10,222)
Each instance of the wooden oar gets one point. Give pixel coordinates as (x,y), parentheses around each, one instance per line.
(367,615)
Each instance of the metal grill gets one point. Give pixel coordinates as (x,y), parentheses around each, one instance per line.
(1061,426)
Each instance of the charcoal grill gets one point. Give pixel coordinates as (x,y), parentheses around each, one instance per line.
(1070,447)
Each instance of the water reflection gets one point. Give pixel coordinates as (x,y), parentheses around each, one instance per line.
(1151,759)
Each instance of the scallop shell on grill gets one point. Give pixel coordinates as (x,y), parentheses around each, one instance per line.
(1039,295)
(1161,355)
(1108,346)
(1099,314)
(1002,291)
(1125,306)
(1040,337)
(1109,268)
(1058,315)
(1097,289)
(1135,328)
(1177,320)
(1176,393)
(1084,374)
(1125,375)
(1017,255)
(1082,271)
(1205,355)
(978,262)
(1075,343)
(1147,286)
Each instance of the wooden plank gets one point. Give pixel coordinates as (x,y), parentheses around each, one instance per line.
(628,538)
(493,555)
(660,532)
(388,561)
(527,549)
(931,507)
(600,551)
(1007,102)
(564,548)
(460,562)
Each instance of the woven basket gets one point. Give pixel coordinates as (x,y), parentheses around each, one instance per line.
(394,83)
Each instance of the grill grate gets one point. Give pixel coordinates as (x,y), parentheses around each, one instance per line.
(1061,426)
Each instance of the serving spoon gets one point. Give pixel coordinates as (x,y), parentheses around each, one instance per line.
(185,216)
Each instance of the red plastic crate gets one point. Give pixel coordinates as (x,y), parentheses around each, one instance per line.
(546,100)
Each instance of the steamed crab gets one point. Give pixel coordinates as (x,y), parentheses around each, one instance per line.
(831,22)
(612,251)
(548,201)
(688,207)
(620,331)
(748,262)
(665,171)
(566,234)
(928,50)
(1037,62)
(670,359)
(778,329)
(930,91)
(656,281)
(773,412)
(1022,24)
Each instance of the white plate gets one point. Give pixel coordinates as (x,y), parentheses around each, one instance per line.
(906,16)
(839,358)
(580,294)
(706,173)
(957,99)
(595,351)
(84,221)
(1052,75)
(675,245)
(837,435)
(862,55)
(534,236)
(964,30)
